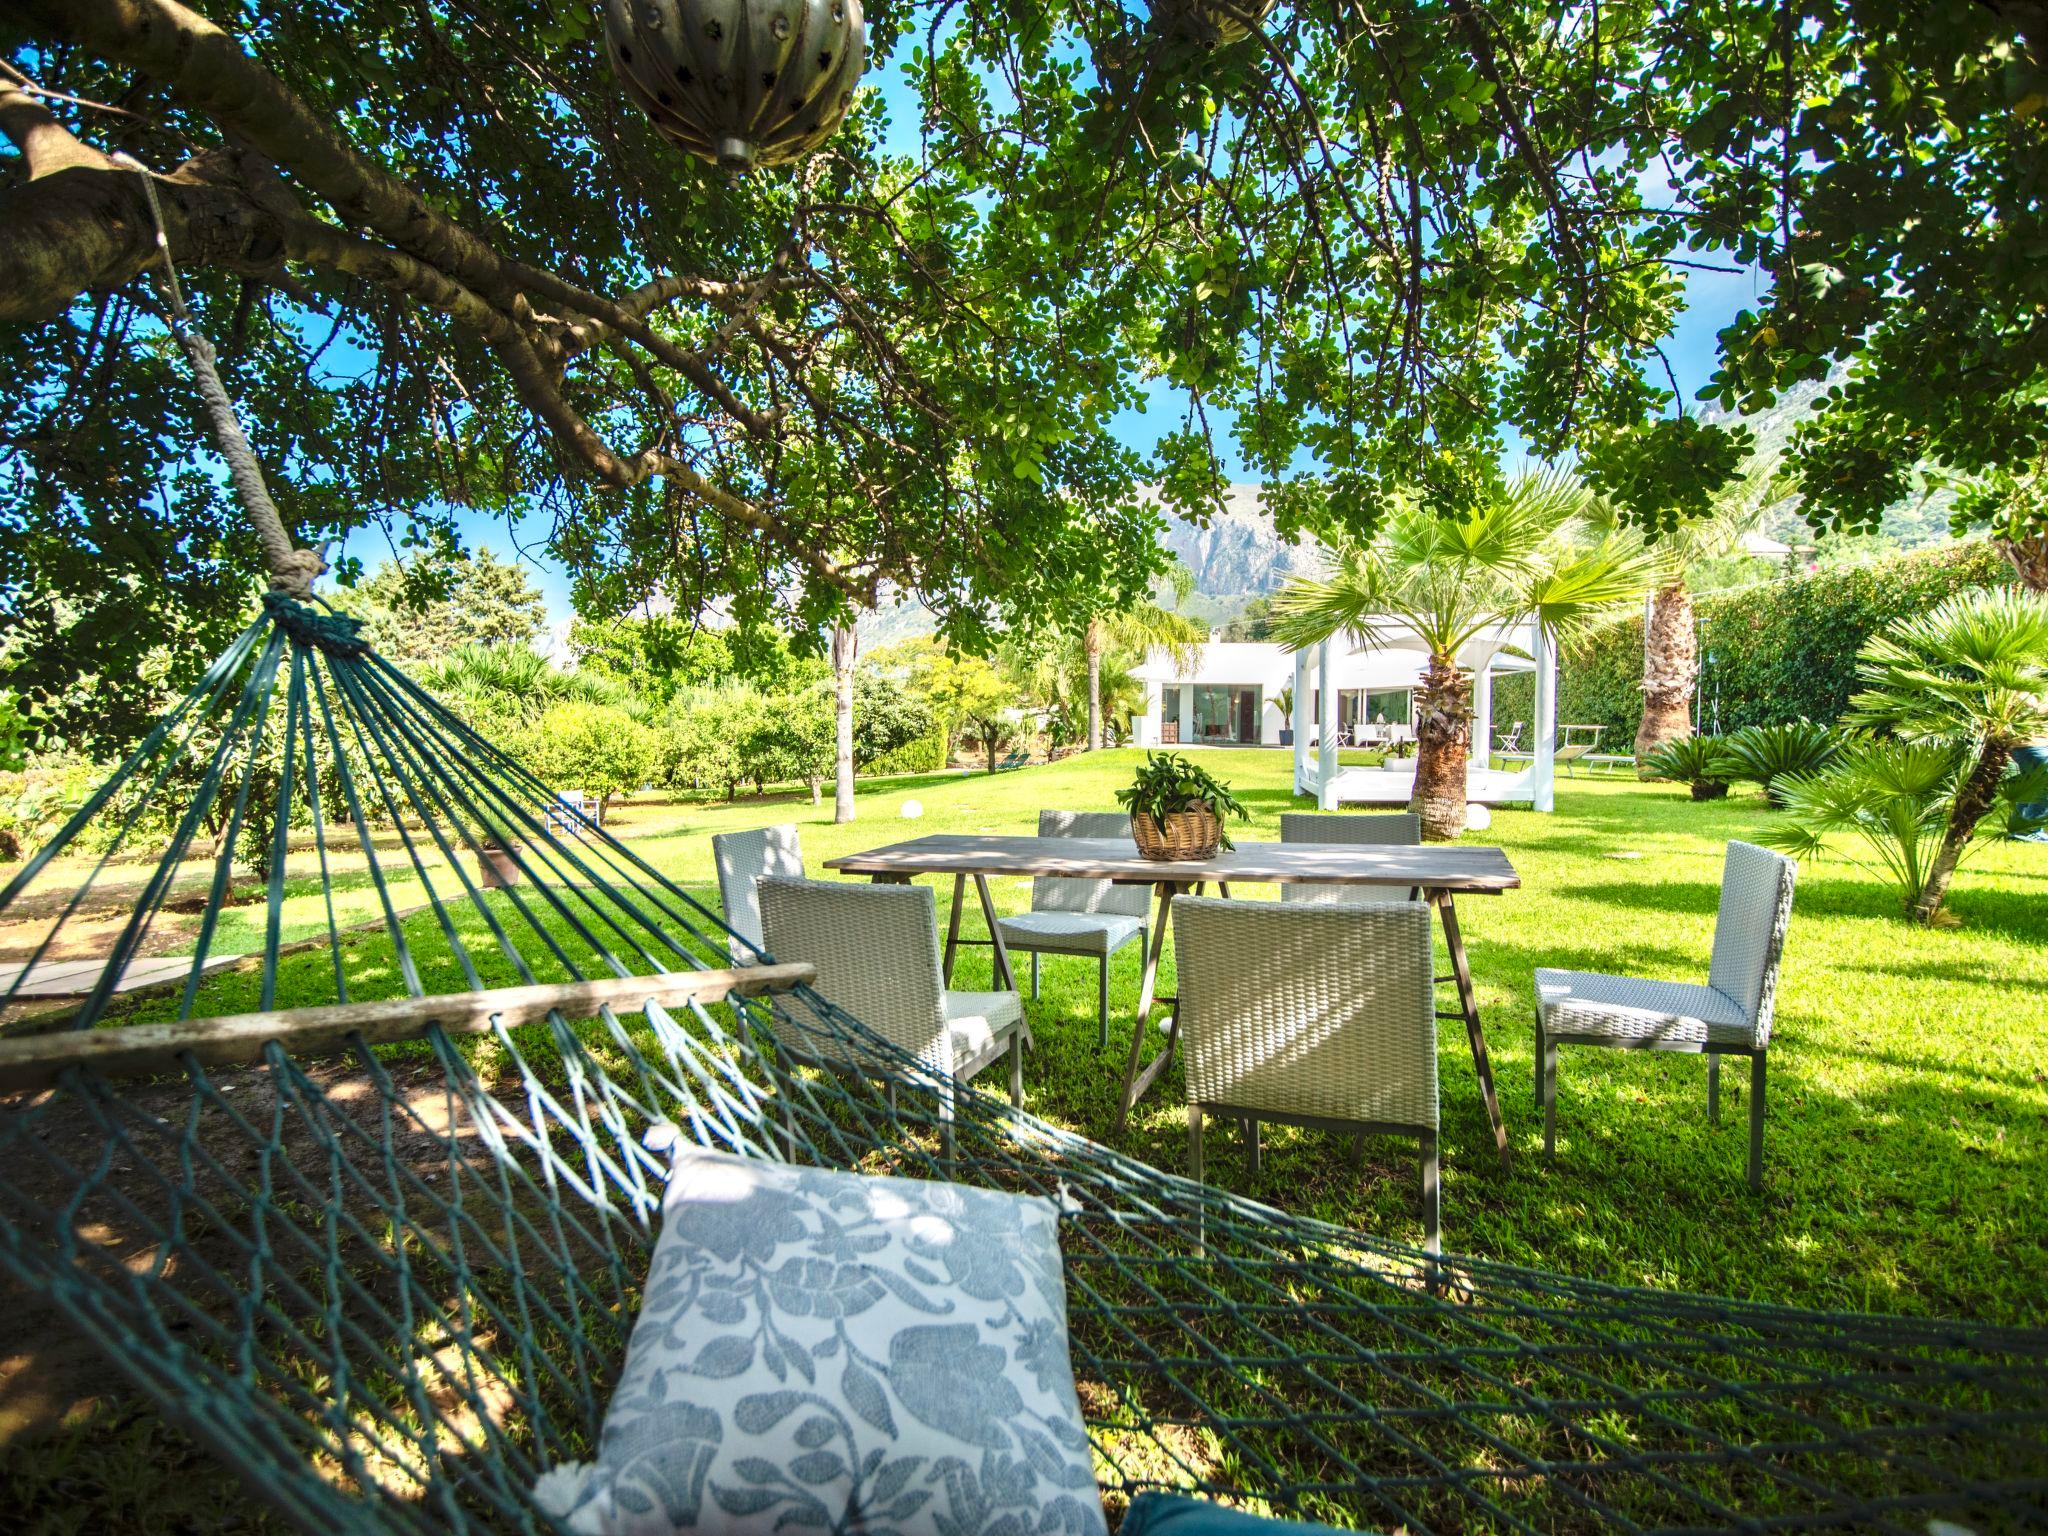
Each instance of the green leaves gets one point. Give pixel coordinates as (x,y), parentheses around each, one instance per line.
(1666,473)
(1167,782)
(1975,668)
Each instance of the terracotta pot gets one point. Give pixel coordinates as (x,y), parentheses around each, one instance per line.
(1193,833)
(496,867)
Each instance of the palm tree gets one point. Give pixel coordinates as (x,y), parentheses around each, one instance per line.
(1524,552)
(845,646)
(1140,628)
(1975,669)
(1671,655)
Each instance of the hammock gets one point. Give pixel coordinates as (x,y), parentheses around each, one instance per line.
(389,1283)
(376,1239)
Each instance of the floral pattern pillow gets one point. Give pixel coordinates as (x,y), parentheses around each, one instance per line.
(826,1351)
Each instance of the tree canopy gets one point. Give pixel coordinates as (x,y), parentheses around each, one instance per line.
(449,266)
(423,611)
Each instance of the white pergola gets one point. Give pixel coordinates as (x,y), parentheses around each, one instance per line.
(1324,778)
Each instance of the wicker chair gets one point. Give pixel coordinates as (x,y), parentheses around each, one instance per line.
(1315,1015)
(1403,828)
(1080,917)
(1729,1016)
(876,948)
(742,859)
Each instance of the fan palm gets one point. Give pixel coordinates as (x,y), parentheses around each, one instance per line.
(1141,628)
(1671,653)
(1524,552)
(1974,670)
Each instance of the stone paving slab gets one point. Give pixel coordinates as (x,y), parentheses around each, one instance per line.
(75,978)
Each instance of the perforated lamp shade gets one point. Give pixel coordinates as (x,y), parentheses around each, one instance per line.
(740,83)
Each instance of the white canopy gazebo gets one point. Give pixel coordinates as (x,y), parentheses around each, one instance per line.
(1513,648)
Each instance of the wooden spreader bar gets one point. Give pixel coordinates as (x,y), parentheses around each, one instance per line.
(142,1050)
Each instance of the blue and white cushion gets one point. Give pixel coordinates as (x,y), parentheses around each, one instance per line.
(827,1351)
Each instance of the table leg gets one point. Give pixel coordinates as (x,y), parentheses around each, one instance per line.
(1468,1005)
(1136,1078)
(953,925)
(1006,979)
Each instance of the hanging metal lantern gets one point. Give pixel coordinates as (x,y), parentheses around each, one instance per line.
(740,83)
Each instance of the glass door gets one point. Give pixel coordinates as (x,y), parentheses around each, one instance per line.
(1226,716)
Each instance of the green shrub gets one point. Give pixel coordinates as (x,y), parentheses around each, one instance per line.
(926,754)
(1893,796)
(1781,651)
(1704,763)
(1764,754)
(592,747)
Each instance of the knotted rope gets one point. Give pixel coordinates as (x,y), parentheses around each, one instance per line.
(293,570)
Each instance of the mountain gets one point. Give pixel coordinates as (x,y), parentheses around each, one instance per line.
(1239,555)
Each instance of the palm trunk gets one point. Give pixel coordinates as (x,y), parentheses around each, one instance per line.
(1443,742)
(2029,558)
(1973,800)
(1671,669)
(1092,642)
(844,645)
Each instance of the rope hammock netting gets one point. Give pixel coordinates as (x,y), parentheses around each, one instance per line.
(379,1246)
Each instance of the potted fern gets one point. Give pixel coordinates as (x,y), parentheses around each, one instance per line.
(1177,809)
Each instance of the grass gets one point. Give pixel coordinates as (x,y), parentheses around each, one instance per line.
(1909,1070)
(1908,1112)
(1908,1108)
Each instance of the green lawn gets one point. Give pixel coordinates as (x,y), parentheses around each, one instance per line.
(1909,1079)
(1909,1070)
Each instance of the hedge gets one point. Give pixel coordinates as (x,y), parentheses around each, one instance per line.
(926,754)
(1781,651)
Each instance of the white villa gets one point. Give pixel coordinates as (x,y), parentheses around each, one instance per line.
(1347,691)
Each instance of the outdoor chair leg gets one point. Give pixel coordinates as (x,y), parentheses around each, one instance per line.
(946,1147)
(1102,1003)
(1034,974)
(1756,1123)
(1195,1142)
(1251,1132)
(1017,1068)
(1539,1058)
(1432,1197)
(1546,1067)
(1713,1087)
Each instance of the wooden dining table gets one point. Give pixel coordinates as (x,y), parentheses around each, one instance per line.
(1435,873)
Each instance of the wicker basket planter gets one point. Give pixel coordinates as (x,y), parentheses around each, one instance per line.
(1194,833)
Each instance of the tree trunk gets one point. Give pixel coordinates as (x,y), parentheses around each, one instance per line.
(1443,741)
(845,642)
(1671,670)
(1976,796)
(1092,642)
(2029,558)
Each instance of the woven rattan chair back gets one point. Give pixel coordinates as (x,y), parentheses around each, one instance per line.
(876,949)
(742,859)
(1051,894)
(1749,932)
(1399,829)
(1323,1010)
